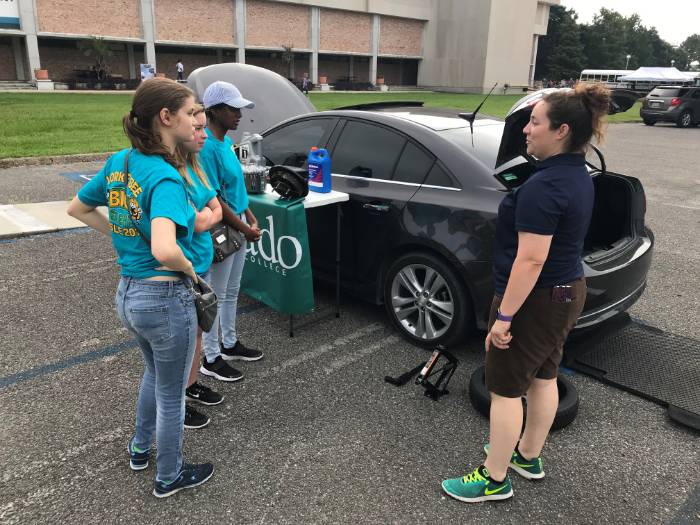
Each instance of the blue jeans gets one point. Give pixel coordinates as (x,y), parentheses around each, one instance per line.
(225,280)
(161,316)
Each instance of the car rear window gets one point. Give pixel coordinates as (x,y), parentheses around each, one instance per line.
(664,92)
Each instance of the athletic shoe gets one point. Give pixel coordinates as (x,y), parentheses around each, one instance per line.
(527,468)
(194,419)
(475,487)
(138,460)
(203,394)
(220,370)
(240,352)
(190,476)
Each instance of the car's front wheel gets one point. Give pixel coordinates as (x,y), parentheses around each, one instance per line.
(685,119)
(426,301)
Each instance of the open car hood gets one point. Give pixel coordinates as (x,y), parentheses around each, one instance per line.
(513,139)
(276,98)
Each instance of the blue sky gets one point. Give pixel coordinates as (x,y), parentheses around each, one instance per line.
(675,20)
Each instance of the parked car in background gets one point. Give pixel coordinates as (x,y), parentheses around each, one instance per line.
(677,104)
(419,228)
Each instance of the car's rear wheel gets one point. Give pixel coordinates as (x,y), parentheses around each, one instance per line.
(426,301)
(685,119)
(649,122)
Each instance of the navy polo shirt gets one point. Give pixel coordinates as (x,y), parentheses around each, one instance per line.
(556,200)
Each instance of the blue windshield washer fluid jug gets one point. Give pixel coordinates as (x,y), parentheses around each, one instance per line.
(319,170)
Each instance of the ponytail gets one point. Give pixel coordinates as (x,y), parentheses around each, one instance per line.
(150,97)
(583,109)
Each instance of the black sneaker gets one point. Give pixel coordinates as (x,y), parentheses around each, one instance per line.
(239,352)
(137,460)
(194,419)
(220,370)
(190,476)
(203,394)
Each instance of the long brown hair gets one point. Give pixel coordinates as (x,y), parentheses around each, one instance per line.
(150,97)
(583,109)
(187,158)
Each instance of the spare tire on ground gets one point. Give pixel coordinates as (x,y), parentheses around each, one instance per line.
(568,398)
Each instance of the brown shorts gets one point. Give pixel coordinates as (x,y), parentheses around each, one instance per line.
(539,329)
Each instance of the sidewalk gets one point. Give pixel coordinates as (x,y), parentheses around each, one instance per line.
(17,220)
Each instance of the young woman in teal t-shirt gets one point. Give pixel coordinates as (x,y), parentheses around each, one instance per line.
(208,210)
(151,224)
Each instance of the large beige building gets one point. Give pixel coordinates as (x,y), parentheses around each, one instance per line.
(447,44)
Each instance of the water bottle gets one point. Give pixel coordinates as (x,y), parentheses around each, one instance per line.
(319,170)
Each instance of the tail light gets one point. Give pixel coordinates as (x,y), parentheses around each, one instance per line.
(675,101)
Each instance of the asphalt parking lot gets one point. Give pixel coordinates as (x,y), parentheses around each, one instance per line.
(313,434)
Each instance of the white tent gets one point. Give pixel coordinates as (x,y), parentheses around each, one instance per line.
(656,74)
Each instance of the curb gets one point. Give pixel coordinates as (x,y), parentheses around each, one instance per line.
(56,159)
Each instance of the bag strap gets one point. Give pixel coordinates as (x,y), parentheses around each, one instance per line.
(126,192)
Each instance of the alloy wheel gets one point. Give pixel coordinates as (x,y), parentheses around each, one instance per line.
(422,301)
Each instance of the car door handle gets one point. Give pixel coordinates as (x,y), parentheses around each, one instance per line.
(381,208)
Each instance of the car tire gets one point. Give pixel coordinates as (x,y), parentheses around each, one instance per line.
(566,411)
(403,305)
(685,119)
(648,122)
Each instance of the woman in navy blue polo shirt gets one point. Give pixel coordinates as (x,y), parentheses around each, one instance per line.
(540,289)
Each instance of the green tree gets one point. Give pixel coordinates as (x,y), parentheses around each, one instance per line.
(100,49)
(691,47)
(560,53)
(604,40)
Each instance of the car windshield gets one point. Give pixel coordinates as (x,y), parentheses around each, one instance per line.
(664,92)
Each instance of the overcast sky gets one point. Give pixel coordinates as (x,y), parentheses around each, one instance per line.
(675,20)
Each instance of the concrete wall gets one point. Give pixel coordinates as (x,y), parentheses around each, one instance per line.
(510,42)
(276,24)
(90,17)
(212,21)
(345,31)
(455,44)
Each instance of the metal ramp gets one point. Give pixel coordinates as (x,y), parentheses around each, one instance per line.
(645,361)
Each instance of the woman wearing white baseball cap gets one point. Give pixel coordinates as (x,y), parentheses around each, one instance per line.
(223,103)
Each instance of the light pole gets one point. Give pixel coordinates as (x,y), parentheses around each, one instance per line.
(628,61)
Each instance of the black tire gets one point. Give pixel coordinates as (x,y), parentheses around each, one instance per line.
(648,122)
(462,314)
(566,411)
(685,119)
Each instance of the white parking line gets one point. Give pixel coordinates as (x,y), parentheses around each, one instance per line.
(357,355)
(319,351)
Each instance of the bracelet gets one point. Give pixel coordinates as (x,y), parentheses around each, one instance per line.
(503,317)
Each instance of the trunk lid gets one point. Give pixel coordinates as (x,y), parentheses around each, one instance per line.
(276,98)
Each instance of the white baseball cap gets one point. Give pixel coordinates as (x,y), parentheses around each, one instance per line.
(221,92)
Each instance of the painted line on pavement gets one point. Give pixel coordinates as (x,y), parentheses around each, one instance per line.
(320,350)
(349,359)
(21,219)
(95,355)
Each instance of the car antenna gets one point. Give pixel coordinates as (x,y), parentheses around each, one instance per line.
(471,117)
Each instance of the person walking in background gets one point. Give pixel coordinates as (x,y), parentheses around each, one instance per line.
(223,103)
(540,289)
(180,70)
(151,224)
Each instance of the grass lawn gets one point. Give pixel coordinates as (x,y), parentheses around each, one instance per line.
(36,124)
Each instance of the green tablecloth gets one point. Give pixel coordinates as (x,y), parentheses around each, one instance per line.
(277,270)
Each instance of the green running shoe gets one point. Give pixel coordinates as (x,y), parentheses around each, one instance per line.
(474,488)
(530,469)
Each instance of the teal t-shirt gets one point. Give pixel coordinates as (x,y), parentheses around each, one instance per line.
(221,165)
(156,190)
(202,245)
